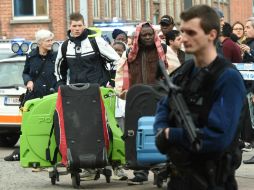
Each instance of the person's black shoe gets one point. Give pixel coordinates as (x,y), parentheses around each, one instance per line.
(137,180)
(14,156)
(250,161)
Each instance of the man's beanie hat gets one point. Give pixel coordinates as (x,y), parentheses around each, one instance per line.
(219,12)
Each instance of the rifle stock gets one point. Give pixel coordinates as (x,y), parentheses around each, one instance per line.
(181,111)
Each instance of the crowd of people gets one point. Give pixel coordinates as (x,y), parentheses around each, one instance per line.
(213,45)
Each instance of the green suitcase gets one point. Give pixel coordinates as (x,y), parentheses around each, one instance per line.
(117,147)
(37,121)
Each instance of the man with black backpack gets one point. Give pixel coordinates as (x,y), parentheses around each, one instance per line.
(213,91)
(84,54)
(82,58)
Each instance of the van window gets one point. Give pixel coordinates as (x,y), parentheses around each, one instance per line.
(11,73)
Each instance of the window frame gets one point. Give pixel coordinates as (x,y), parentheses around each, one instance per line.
(107,9)
(138,10)
(72,6)
(163,8)
(31,18)
(118,5)
(147,10)
(128,9)
(97,9)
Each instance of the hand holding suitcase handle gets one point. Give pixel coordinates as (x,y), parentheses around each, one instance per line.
(80,86)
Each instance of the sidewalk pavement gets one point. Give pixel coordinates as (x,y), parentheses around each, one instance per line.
(245,173)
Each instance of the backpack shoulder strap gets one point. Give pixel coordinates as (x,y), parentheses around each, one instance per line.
(183,70)
(64,48)
(94,45)
(127,52)
(97,51)
(218,68)
(164,46)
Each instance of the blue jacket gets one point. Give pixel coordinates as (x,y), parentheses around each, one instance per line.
(46,79)
(223,117)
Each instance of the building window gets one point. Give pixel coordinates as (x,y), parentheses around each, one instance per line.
(72,6)
(163,8)
(209,2)
(171,8)
(96,8)
(119,8)
(128,9)
(138,9)
(30,8)
(178,11)
(107,8)
(147,12)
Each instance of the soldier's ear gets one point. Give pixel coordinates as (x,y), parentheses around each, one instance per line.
(213,34)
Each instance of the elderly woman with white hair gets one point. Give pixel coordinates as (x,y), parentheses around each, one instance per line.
(38,73)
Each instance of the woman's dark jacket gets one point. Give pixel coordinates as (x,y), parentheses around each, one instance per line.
(42,76)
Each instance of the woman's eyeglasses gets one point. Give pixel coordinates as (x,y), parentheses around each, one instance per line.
(237,28)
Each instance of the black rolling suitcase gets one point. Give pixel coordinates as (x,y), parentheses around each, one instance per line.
(80,129)
(141,100)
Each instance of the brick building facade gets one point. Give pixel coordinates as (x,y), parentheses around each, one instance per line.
(240,10)
(125,11)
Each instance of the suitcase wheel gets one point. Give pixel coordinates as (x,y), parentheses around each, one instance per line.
(53,180)
(158,180)
(159,183)
(107,172)
(75,178)
(54,176)
(107,179)
(97,175)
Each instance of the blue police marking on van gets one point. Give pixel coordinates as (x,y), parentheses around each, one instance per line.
(246,69)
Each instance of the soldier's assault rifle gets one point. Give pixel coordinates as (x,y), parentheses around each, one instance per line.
(180,110)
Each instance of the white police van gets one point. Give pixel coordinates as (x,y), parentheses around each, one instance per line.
(11,87)
(12,61)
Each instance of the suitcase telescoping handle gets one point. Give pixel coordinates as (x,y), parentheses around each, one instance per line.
(79,86)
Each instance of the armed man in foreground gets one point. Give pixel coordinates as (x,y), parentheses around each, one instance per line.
(213,92)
